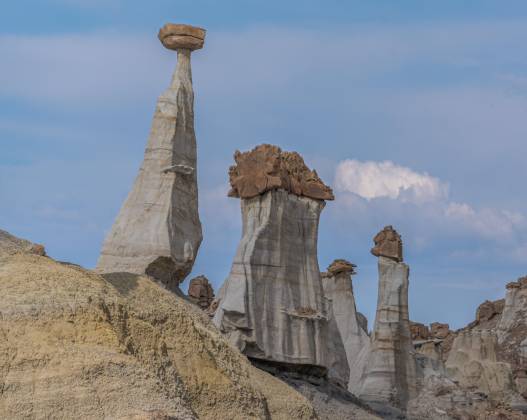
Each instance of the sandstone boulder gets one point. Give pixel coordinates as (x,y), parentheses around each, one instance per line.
(267,168)
(388,244)
(158,231)
(200,292)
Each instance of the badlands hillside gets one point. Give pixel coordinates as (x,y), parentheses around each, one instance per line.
(79,345)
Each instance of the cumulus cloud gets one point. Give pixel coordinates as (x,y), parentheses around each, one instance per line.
(386,179)
(384,192)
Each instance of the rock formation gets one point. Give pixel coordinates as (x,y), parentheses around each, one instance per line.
(272,306)
(419,331)
(77,345)
(158,231)
(388,244)
(267,168)
(473,363)
(390,376)
(200,292)
(338,289)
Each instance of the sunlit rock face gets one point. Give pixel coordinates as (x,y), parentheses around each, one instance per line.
(338,288)
(158,230)
(272,305)
(391,375)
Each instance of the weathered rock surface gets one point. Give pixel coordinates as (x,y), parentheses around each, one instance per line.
(338,289)
(272,305)
(267,168)
(419,331)
(77,345)
(391,375)
(158,231)
(473,363)
(200,292)
(439,330)
(388,244)
(10,245)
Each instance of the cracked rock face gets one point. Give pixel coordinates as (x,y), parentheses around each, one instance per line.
(158,231)
(391,373)
(338,289)
(272,305)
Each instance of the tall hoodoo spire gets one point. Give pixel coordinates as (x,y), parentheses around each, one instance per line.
(390,376)
(158,231)
(272,305)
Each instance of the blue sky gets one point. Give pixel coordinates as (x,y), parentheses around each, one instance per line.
(415,112)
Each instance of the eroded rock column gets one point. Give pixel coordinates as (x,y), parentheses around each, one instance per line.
(338,288)
(271,306)
(390,376)
(158,231)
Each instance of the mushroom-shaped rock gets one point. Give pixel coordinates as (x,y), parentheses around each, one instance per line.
(388,244)
(272,304)
(176,36)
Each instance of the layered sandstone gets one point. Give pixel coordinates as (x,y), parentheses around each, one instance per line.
(390,376)
(272,305)
(158,231)
(77,345)
(338,288)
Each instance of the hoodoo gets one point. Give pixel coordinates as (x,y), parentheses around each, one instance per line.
(338,288)
(390,376)
(158,231)
(272,304)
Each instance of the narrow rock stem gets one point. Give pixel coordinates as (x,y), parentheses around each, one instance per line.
(183,71)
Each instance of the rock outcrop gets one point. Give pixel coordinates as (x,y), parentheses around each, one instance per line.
(158,231)
(419,331)
(200,292)
(338,288)
(390,377)
(272,305)
(77,345)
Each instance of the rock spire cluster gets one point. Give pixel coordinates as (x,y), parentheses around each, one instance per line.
(158,230)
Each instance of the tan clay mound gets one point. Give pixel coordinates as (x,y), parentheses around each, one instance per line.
(76,345)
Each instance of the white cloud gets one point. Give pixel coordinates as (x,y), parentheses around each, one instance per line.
(386,179)
(377,193)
